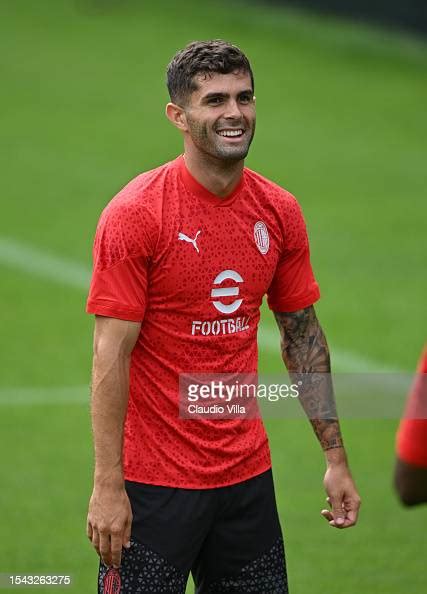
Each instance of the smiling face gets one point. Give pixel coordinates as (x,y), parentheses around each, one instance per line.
(220,115)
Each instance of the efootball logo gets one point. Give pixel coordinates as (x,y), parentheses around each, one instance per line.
(218,292)
(261,236)
(227,291)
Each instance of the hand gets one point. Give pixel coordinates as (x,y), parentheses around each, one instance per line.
(109,522)
(343,497)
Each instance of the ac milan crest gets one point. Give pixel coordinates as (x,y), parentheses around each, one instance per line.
(262,239)
(112,582)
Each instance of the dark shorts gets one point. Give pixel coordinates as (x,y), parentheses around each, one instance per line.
(229,538)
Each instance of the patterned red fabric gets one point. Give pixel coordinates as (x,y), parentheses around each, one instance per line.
(193,268)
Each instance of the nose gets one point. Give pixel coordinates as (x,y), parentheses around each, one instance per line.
(232,110)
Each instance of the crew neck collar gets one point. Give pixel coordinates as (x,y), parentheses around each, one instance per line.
(203,193)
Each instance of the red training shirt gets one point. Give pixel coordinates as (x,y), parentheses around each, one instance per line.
(193,268)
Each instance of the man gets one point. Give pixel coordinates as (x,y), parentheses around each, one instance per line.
(410,475)
(182,258)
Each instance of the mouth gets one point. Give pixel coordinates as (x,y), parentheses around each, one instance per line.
(231,133)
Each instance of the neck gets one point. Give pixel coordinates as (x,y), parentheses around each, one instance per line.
(217,176)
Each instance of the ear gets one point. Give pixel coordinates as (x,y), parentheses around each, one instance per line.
(176,115)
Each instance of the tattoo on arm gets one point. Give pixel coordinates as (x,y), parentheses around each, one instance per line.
(306,355)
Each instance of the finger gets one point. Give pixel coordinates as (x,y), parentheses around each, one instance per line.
(127,533)
(337,511)
(351,507)
(116,549)
(332,521)
(95,540)
(352,517)
(347,524)
(327,514)
(335,525)
(105,547)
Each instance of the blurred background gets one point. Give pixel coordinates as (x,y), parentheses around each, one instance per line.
(342,124)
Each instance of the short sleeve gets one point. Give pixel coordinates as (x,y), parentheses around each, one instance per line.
(123,246)
(293,286)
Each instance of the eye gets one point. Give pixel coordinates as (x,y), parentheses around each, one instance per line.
(215,100)
(245,98)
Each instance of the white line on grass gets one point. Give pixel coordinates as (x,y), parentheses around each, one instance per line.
(45,265)
(40,396)
(354,396)
(42,264)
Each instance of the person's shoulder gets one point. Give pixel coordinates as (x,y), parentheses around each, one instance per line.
(422,364)
(143,191)
(282,205)
(133,217)
(140,201)
(270,190)
(266,185)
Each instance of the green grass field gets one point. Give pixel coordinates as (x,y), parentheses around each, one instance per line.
(341,124)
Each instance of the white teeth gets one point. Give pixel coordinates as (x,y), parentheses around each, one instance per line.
(230,132)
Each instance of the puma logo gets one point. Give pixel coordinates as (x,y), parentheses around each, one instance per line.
(184,237)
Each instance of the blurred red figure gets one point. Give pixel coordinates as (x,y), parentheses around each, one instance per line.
(410,477)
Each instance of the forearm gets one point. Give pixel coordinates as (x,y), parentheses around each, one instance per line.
(305,353)
(110,387)
(113,343)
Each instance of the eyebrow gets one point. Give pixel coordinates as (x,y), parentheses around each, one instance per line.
(225,95)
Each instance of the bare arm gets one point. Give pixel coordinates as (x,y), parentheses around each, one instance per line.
(410,482)
(110,516)
(114,341)
(410,473)
(306,355)
(305,351)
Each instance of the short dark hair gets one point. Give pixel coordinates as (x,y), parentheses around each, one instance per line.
(203,57)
